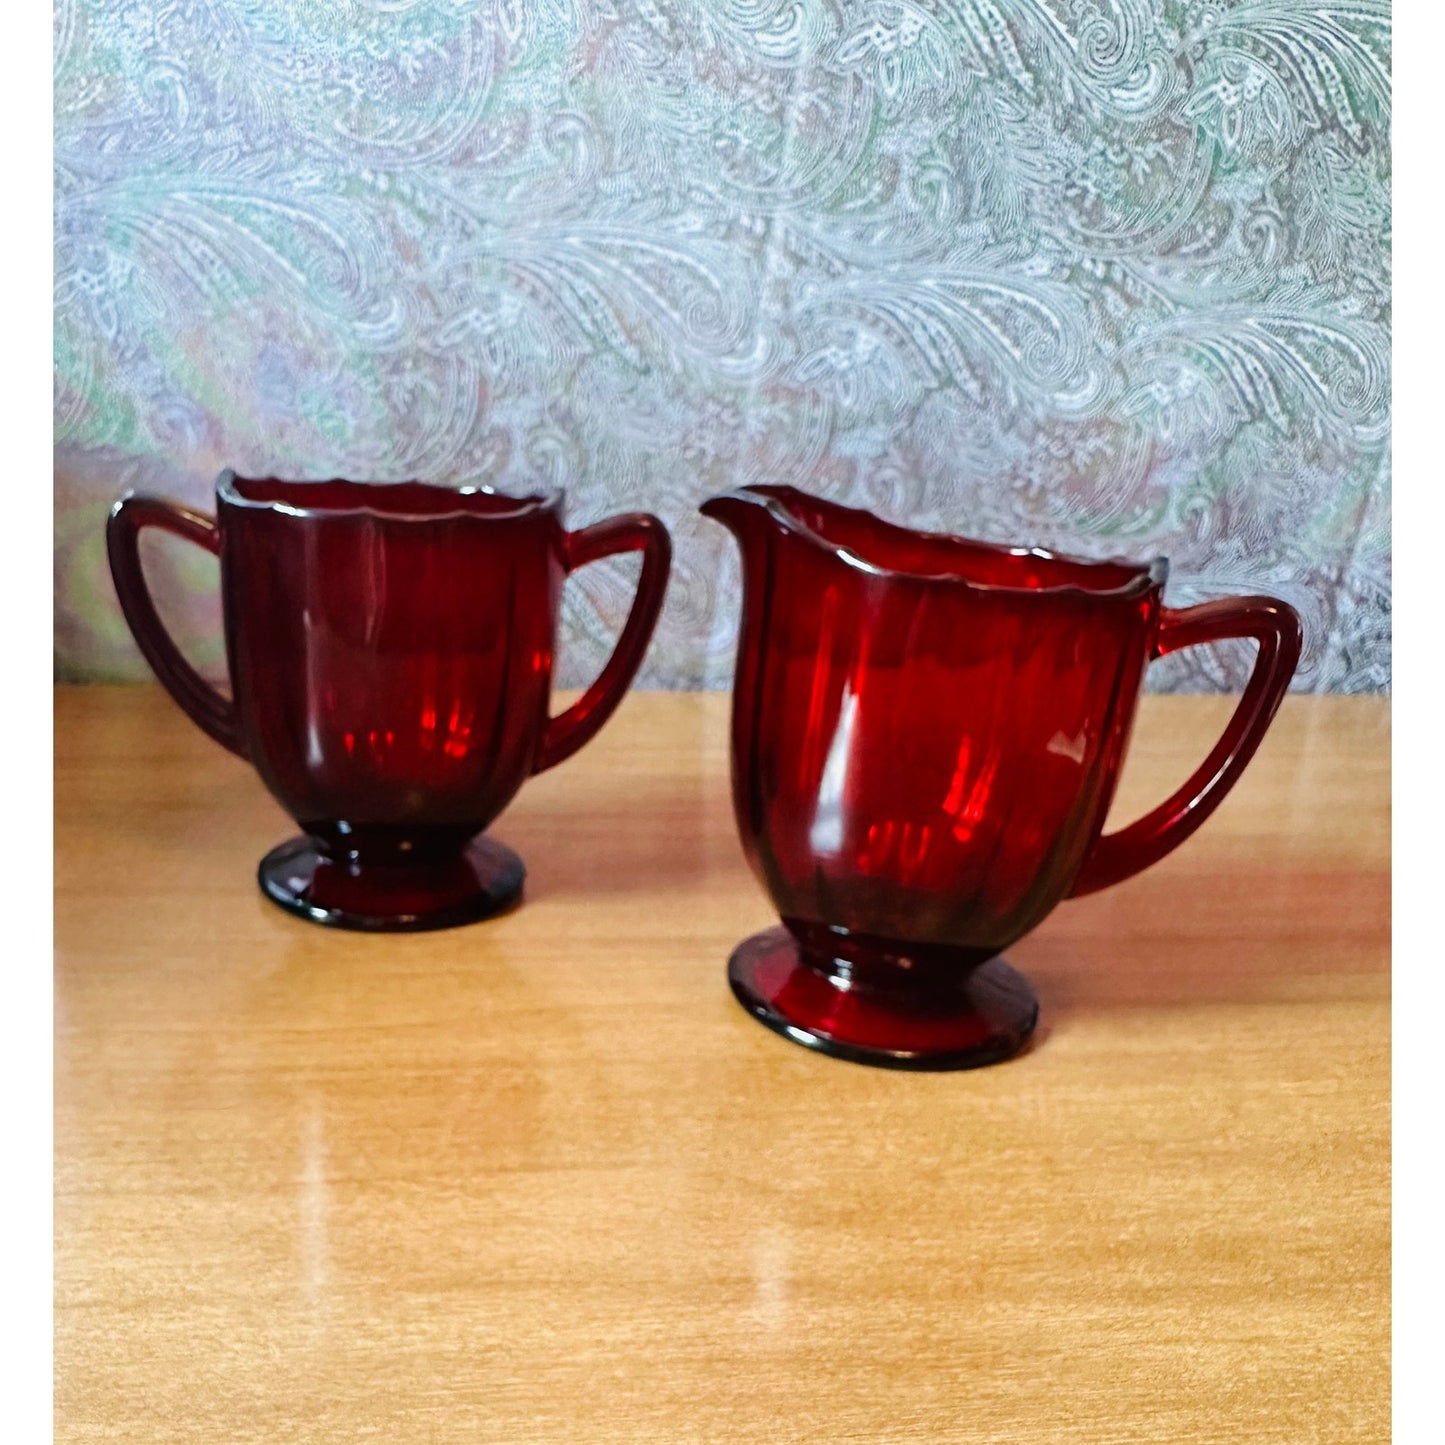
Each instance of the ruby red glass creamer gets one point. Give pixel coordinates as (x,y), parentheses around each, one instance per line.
(926,736)
(390,649)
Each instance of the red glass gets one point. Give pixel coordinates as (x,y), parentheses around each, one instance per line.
(927,733)
(390,650)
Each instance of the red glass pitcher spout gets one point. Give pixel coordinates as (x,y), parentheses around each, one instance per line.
(747,515)
(738,511)
(870,548)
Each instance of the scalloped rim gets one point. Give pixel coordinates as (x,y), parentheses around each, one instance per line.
(548,500)
(774,499)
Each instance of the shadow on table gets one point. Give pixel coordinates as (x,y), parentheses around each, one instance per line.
(652,838)
(1184,935)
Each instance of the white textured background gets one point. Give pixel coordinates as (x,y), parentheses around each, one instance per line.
(1107,275)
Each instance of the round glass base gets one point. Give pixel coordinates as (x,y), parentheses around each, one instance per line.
(484,878)
(980,1015)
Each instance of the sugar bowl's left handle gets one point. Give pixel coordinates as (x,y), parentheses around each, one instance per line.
(212,713)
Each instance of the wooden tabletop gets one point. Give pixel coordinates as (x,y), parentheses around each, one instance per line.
(541,1179)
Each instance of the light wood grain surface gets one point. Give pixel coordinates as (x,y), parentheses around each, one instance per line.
(541,1179)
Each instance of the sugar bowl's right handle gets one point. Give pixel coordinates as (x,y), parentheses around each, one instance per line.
(631,532)
(210,712)
(1275,626)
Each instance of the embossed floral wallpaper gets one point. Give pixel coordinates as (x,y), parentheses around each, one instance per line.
(1107,275)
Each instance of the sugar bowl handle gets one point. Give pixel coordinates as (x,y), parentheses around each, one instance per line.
(213,714)
(631,532)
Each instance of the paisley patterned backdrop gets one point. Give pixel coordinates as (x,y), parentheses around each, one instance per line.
(1106,275)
